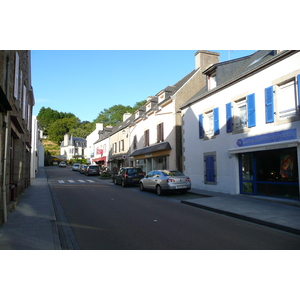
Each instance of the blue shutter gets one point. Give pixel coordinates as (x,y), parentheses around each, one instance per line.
(210,168)
(201,131)
(228,117)
(216,121)
(298,85)
(251,110)
(269,98)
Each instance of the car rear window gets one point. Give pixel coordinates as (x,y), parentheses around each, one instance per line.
(173,173)
(135,170)
(93,167)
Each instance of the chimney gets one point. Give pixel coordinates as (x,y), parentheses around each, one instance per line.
(99,127)
(66,140)
(204,59)
(126,116)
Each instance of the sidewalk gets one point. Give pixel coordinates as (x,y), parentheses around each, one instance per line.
(34,225)
(276,213)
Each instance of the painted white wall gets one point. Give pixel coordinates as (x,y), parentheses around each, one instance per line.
(227,165)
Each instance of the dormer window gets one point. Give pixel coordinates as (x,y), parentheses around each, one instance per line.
(211,81)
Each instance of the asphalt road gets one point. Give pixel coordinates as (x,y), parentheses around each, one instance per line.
(104,216)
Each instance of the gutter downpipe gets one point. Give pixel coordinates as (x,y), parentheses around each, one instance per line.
(4,170)
(5,146)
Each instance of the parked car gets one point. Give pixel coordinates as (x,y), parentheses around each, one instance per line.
(165,180)
(76,167)
(82,169)
(92,170)
(62,164)
(128,176)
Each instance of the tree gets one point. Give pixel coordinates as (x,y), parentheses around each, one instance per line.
(48,116)
(60,127)
(114,114)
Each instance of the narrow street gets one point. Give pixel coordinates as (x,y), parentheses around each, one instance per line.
(104,216)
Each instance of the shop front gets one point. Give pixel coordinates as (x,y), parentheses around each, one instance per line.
(152,158)
(270,165)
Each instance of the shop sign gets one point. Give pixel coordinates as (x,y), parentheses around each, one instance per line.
(148,155)
(273,137)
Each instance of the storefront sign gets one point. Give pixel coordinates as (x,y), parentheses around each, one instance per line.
(278,136)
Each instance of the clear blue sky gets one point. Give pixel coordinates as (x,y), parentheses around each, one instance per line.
(85,82)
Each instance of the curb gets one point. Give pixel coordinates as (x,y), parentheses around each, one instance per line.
(245,218)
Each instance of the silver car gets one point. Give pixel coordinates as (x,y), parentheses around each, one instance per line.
(164,180)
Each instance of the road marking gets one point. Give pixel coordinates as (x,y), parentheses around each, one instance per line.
(90,180)
(81,180)
(71,181)
(61,181)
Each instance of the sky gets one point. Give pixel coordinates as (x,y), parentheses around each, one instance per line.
(85,82)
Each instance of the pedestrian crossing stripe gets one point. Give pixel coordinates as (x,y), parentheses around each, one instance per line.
(73,181)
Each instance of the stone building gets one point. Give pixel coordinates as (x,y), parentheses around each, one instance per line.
(16,102)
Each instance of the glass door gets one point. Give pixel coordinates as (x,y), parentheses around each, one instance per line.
(246,164)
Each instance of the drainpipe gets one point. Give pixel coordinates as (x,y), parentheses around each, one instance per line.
(4,169)
(5,143)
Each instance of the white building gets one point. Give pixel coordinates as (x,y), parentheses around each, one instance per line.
(73,147)
(37,148)
(242,134)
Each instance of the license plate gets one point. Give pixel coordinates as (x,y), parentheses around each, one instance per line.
(136,179)
(181,187)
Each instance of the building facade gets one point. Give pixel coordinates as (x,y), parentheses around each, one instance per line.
(241,134)
(16,102)
(73,148)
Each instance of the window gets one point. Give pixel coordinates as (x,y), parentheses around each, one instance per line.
(210,176)
(115,147)
(160,132)
(209,123)
(287,99)
(146,138)
(135,143)
(212,83)
(241,114)
(121,145)
(245,113)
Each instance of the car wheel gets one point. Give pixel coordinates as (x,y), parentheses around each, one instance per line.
(142,187)
(159,191)
(123,183)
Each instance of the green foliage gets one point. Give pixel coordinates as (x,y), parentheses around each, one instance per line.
(60,127)
(114,114)
(56,124)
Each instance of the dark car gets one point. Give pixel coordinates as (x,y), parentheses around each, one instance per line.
(128,176)
(92,170)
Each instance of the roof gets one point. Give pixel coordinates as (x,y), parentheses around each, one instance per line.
(229,71)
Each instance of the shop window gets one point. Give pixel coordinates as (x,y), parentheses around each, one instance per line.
(210,175)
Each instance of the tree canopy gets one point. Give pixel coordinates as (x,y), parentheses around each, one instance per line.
(56,124)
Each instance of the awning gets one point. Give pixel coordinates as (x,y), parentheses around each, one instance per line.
(155,148)
(103,158)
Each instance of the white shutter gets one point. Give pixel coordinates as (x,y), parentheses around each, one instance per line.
(24,106)
(16,84)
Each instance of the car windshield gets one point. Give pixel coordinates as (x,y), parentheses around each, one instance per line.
(172,173)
